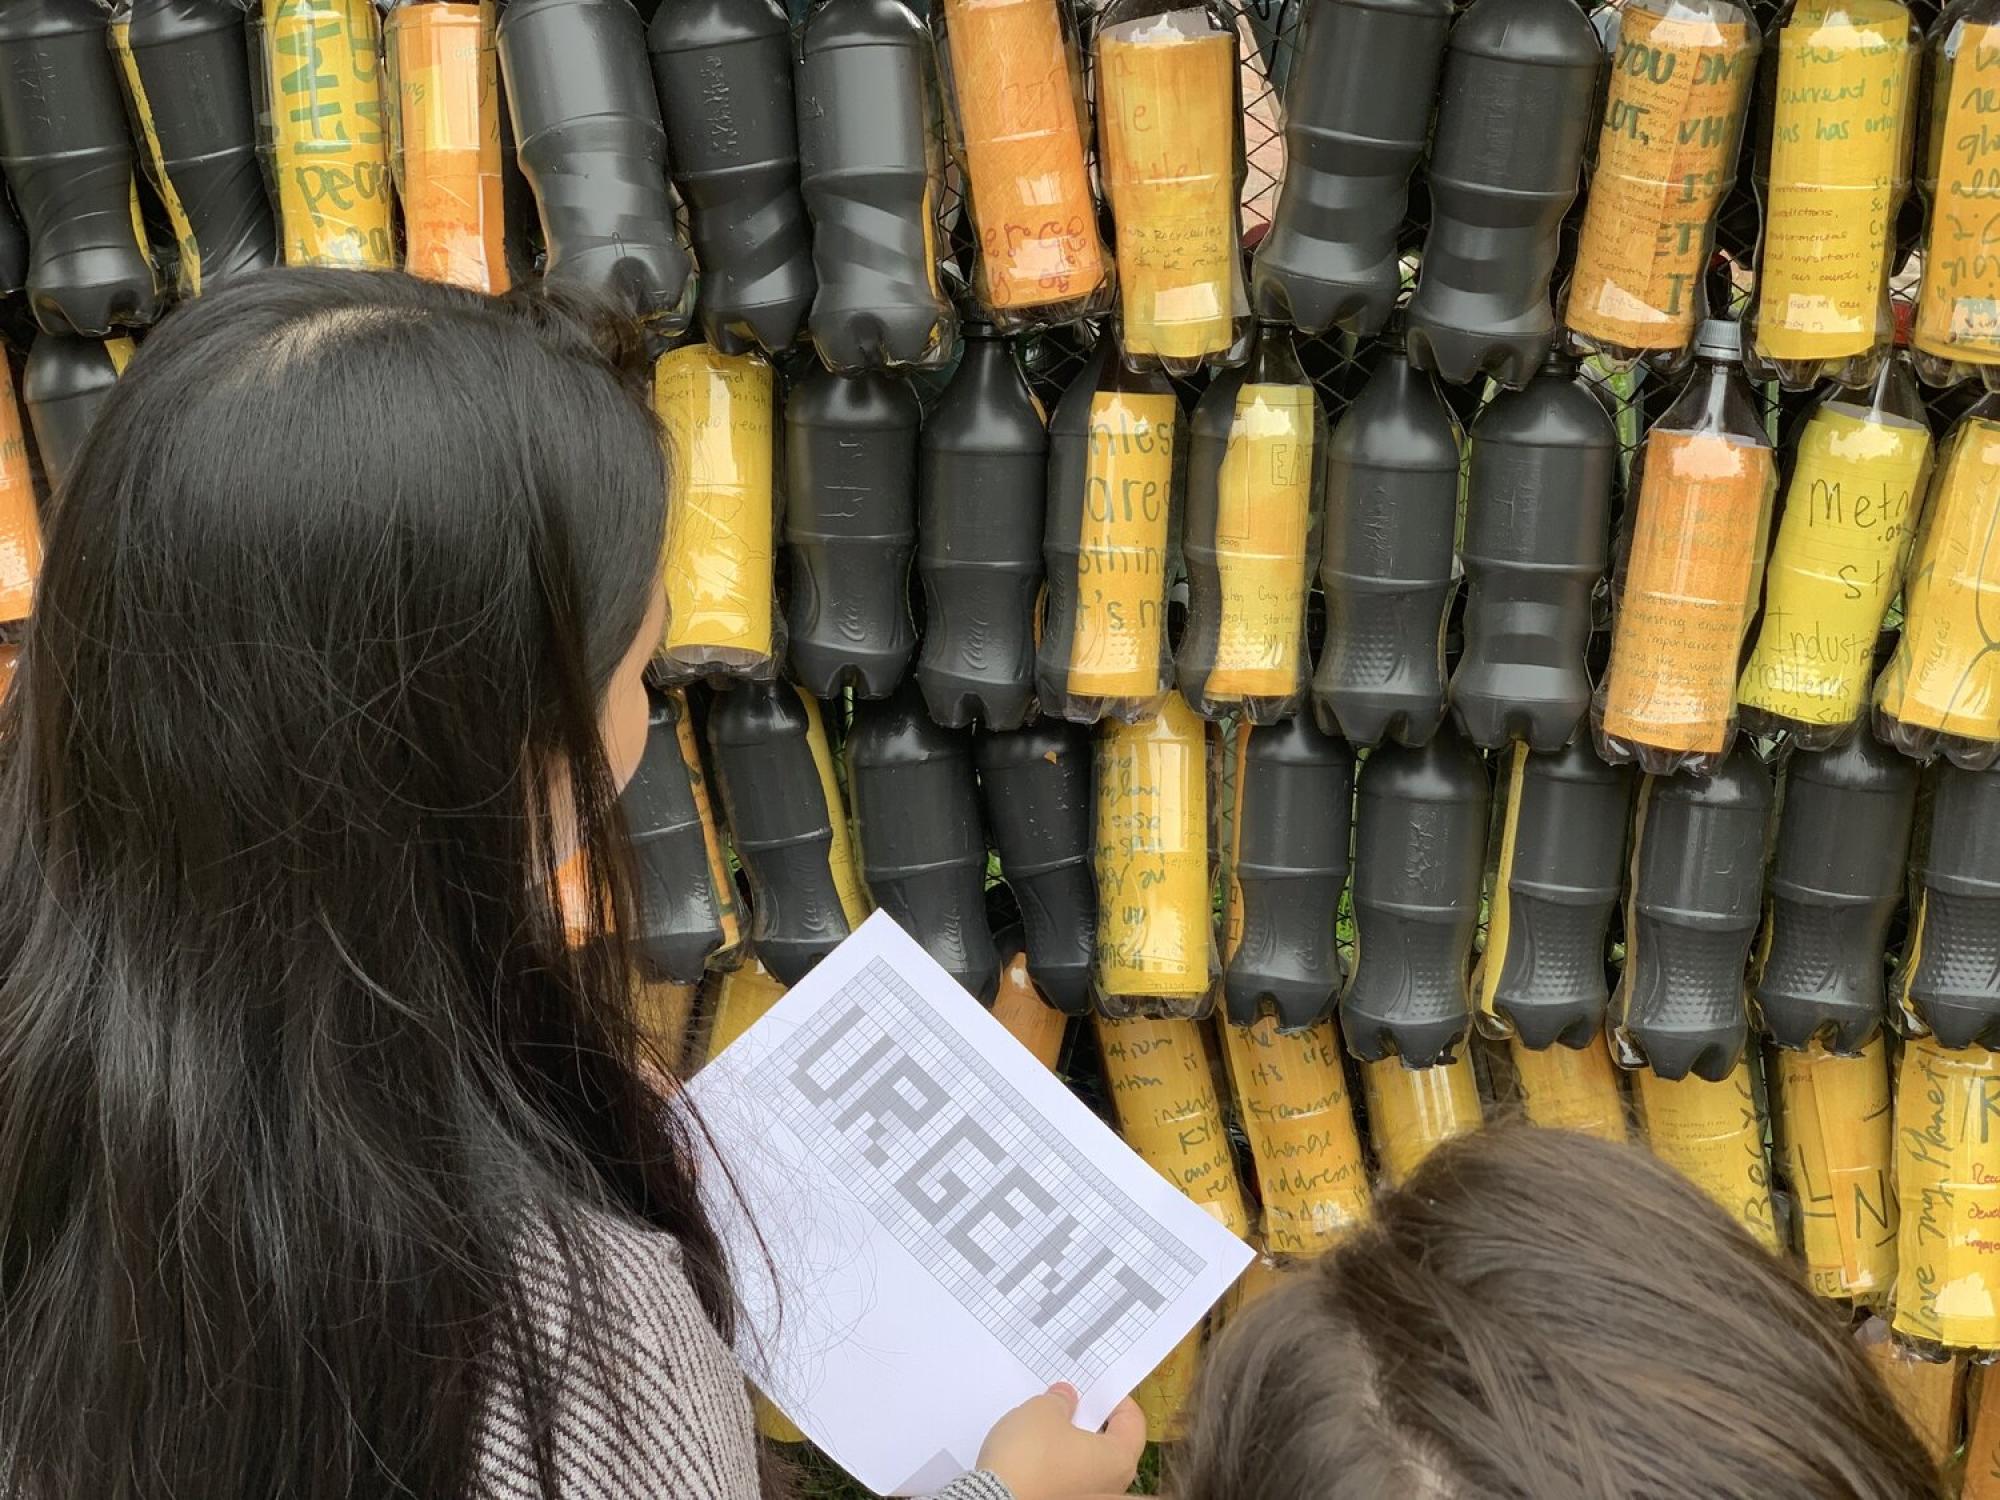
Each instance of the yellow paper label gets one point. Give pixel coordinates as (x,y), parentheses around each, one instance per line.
(1164,1096)
(1837,1136)
(1958,305)
(1291,1096)
(20,519)
(1413,1111)
(842,867)
(1492,962)
(1665,155)
(741,996)
(1982,1444)
(1948,1187)
(717,411)
(1711,1134)
(1167,108)
(1121,564)
(1840,143)
(156,161)
(444,76)
(1263,513)
(1945,674)
(1689,591)
(1850,514)
(1153,922)
(727,917)
(329,151)
(1566,1088)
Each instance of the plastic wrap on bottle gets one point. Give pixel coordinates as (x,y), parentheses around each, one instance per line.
(1413,1111)
(1681,72)
(1571,1088)
(1163,1094)
(1835,1138)
(1950,979)
(685,900)
(185,68)
(67,149)
(1385,569)
(594,149)
(1926,1390)
(1690,562)
(1941,689)
(443,81)
(1155,927)
(1836,880)
(1712,1133)
(1250,537)
(1859,471)
(1014,91)
(1833,171)
(1560,832)
(871,159)
(724,73)
(20,519)
(850,528)
(1947,1175)
(922,841)
(1038,792)
(1103,648)
(1357,112)
(1419,860)
(722,615)
(1291,1098)
(739,997)
(1697,884)
(1288,837)
(1169,112)
(322,131)
(63,387)
(1514,112)
(982,479)
(1957,332)
(1537,542)
(787,823)
(1018,1006)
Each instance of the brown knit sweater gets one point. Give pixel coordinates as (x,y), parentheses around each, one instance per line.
(687,1432)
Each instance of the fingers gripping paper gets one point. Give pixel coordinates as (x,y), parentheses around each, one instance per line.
(948,1230)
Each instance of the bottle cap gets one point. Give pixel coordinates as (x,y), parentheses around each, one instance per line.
(1719,338)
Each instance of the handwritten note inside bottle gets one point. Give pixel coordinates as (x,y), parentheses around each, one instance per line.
(1119,641)
(1291,1094)
(1569,1088)
(323,123)
(1837,1138)
(445,76)
(1958,305)
(1153,916)
(1262,517)
(1948,1184)
(1713,1135)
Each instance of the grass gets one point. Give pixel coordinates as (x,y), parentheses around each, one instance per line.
(819,1478)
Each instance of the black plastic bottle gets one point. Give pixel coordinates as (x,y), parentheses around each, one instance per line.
(850,527)
(1392,470)
(686,902)
(1288,866)
(787,824)
(1698,874)
(13,247)
(67,151)
(982,477)
(1357,112)
(1038,793)
(1419,857)
(63,387)
(594,149)
(1514,113)
(923,845)
(185,65)
(1561,836)
(1537,541)
(724,70)
(1836,878)
(1951,966)
(871,154)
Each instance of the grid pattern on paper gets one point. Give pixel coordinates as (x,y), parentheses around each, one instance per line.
(1106,1217)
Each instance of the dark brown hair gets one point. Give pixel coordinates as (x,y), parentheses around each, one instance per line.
(1538,1314)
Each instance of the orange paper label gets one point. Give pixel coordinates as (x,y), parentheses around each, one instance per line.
(1121,565)
(1291,1096)
(1958,305)
(1948,1184)
(1689,590)
(1263,514)
(1711,1133)
(1838,1140)
(20,520)
(329,152)
(1413,1111)
(1665,156)
(445,76)
(1153,917)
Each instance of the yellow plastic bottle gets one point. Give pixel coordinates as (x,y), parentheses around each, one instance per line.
(1571,1088)
(1836,1139)
(444,78)
(1957,333)
(1948,1190)
(1413,1111)
(1713,1134)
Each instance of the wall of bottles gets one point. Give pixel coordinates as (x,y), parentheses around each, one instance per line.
(1462,541)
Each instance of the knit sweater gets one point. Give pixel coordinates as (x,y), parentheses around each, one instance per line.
(686,1432)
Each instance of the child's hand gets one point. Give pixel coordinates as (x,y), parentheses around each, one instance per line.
(1039,1452)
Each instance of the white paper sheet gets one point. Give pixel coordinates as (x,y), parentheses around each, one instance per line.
(945,1230)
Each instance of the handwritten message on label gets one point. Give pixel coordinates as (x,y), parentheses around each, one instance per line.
(1840,150)
(1958,305)
(1262,516)
(1566,1088)
(1167,107)
(1711,1134)
(1837,1137)
(329,150)
(1850,516)
(1413,1111)
(1292,1098)
(444,73)
(1121,565)
(1153,925)
(20,521)
(1689,591)
(1665,156)
(1948,1187)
